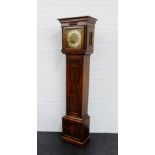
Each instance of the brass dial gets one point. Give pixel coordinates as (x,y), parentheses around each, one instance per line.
(73,38)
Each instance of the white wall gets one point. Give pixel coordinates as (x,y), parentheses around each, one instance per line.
(103,66)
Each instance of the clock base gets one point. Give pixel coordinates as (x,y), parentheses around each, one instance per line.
(75,130)
(75,142)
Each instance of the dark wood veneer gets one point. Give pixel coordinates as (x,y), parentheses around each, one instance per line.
(75,124)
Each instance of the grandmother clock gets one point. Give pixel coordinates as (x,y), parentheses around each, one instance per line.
(77,44)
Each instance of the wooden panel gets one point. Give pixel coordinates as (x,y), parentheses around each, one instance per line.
(86,62)
(74,84)
(76,129)
(71,129)
(90,39)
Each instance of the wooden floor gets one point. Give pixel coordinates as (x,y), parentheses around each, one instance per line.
(49,143)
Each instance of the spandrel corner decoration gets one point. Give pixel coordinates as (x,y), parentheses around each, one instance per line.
(77,44)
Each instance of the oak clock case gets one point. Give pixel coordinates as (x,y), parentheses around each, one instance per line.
(77,44)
